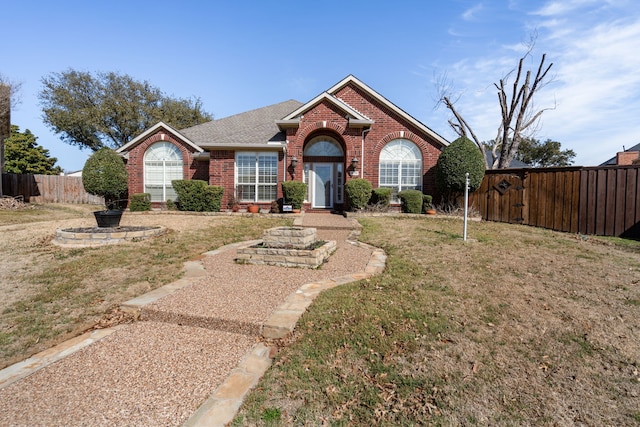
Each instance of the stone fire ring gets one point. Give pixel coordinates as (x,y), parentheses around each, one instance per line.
(100,236)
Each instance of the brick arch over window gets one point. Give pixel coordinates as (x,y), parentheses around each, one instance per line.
(192,169)
(422,145)
(312,128)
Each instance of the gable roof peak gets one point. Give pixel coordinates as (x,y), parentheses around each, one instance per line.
(160,125)
(324,96)
(351,79)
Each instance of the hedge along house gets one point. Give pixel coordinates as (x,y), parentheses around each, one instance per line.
(349,131)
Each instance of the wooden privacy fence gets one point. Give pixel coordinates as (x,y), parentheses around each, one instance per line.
(47,189)
(603,201)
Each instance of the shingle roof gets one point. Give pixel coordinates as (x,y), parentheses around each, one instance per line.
(251,127)
(613,160)
(515,163)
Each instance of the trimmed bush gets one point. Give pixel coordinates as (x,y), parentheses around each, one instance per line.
(358,192)
(458,158)
(411,201)
(197,196)
(381,197)
(427,202)
(294,192)
(104,174)
(140,202)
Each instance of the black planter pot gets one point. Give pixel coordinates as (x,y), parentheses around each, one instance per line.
(109,218)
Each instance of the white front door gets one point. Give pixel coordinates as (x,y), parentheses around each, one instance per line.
(322,185)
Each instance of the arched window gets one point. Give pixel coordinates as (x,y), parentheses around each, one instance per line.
(323,146)
(162,164)
(401,166)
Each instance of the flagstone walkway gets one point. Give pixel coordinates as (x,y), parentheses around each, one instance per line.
(196,350)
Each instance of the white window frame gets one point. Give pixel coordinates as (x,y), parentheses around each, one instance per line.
(171,168)
(397,160)
(260,176)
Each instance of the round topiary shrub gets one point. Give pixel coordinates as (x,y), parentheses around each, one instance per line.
(411,201)
(294,192)
(105,175)
(458,158)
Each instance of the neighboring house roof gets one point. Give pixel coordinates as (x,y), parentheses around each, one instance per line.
(613,160)
(251,128)
(515,163)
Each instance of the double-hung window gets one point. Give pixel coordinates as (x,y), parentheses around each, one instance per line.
(256,176)
(400,167)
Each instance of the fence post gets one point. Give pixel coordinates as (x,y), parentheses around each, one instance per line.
(466,205)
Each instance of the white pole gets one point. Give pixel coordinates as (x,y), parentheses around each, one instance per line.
(466,205)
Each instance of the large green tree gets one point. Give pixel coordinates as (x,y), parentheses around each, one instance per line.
(110,109)
(22,154)
(544,154)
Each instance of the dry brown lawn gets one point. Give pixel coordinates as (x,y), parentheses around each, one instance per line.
(522,326)
(50,293)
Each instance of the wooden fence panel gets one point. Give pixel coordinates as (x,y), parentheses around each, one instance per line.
(620,198)
(599,203)
(589,200)
(48,189)
(575,201)
(632,201)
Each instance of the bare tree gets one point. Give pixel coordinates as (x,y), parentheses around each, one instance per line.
(518,115)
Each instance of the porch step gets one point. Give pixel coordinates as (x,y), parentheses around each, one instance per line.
(320,211)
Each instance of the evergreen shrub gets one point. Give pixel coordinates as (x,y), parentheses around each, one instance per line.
(294,192)
(456,159)
(104,174)
(427,202)
(197,196)
(411,201)
(140,202)
(381,197)
(358,192)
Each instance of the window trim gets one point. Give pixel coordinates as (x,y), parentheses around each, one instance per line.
(399,166)
(256,175)
(165,185)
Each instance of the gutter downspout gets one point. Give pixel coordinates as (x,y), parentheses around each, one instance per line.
(364,132)
(284,165)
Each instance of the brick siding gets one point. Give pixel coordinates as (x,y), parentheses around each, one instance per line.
(323,119)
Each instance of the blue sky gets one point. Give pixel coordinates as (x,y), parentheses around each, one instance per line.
(241,55)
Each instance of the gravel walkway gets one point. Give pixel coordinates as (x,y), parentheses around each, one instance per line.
(159,370)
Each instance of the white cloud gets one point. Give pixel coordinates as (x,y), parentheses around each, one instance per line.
(469,14)
(563,7)
(595,79)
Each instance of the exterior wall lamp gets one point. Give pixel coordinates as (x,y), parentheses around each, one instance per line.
(354,167)
(294,163)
